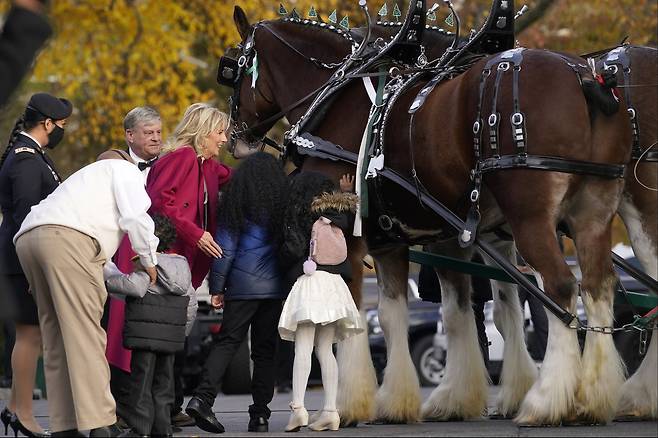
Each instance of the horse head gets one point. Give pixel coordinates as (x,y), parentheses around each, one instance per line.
(276,64)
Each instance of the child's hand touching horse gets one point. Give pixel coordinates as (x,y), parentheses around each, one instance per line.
(346,183)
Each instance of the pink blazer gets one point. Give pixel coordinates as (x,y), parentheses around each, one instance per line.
(176,188)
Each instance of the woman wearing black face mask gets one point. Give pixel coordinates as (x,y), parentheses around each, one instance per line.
(27,176)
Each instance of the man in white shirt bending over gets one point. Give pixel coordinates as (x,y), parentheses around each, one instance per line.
(62,245)
(143,129)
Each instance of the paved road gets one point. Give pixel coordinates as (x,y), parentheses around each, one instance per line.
(231,410)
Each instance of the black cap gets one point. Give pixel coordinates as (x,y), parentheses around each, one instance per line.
(46,106)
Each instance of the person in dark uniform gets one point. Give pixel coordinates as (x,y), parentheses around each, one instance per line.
(27,176)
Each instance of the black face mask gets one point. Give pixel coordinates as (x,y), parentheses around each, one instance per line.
(55,137)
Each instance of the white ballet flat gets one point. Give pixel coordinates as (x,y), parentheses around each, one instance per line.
(298,418)
(329,420)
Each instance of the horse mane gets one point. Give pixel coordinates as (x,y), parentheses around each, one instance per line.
(320,29)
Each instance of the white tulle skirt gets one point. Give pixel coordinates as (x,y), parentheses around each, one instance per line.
(321,298)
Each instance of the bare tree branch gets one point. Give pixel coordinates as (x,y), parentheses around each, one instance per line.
(535,13)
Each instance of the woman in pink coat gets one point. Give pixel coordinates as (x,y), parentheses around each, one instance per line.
(184,185)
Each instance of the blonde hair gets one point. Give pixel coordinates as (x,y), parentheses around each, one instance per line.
(199,120)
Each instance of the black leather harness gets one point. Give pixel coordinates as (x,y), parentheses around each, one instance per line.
(618,61)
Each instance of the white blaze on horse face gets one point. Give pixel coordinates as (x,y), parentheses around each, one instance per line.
(357,381)
(552,398)
(603,371)
(463,390)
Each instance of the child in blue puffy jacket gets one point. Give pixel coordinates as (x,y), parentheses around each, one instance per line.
(246,282)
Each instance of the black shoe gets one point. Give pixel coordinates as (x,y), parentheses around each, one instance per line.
(122,423)
(18,427)
(181,419)
(106,431)
(203,415)
(67,433)
(5,416)
(258,424)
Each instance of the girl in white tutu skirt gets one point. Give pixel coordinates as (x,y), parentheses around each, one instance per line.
(319,310)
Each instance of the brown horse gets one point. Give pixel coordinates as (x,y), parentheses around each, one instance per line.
(532,202)
(639,211)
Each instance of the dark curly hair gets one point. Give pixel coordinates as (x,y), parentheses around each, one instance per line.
(298,218)
(256,194)
(165,231)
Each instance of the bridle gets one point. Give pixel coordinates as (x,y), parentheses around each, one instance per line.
(239,61)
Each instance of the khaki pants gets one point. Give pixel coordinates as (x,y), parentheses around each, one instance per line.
(65,270)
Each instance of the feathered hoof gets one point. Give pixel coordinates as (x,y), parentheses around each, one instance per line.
(598,404)
(357,411)
(399,409)
(511,395)
(637,401)
(543,414)
(454,404)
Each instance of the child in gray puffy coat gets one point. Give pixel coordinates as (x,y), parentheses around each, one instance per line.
(158,317)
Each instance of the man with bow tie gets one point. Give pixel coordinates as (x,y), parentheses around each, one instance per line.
(143,129)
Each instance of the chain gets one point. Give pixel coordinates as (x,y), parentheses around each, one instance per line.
(610,330)
(643,331)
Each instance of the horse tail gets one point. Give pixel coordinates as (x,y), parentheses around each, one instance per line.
(600,94)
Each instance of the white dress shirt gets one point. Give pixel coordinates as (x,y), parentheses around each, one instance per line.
(104,200)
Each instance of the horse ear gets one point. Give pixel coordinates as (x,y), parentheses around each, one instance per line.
(241,22)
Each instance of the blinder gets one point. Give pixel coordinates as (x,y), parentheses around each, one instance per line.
(229,69)
(230,72)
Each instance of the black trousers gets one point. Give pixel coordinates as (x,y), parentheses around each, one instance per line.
(120,389)
(263,317)
(179,366)
(151,393)
(285,359)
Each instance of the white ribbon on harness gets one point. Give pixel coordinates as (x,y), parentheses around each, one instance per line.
(357,231)
(372,94)
(370,89)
